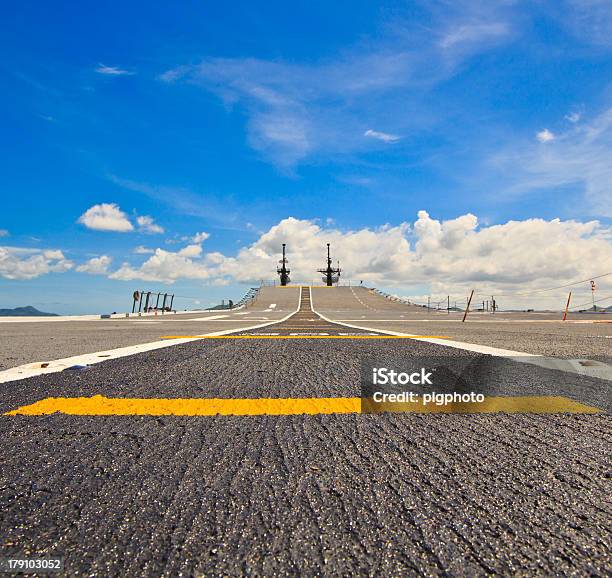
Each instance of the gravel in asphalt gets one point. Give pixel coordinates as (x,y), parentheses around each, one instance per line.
(461,495)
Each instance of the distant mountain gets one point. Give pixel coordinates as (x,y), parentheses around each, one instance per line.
(27,311)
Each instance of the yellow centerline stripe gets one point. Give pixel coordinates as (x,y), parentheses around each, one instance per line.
(100,405)
(303,336)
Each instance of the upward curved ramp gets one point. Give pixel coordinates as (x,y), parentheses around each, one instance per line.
(306,322)
(356,300)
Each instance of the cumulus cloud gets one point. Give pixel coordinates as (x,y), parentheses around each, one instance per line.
(113,71)
(96,265)
(167,267)
(20,263)
(383,136)
(106,217)
(146,224)
(545,135)
(201,237)
(447,256)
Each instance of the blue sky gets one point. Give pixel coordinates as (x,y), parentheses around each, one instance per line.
(349,117)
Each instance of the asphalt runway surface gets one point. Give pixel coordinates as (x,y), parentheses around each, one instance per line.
(25,342)
(306,322)
(28,341)
(584,336)
(334,495)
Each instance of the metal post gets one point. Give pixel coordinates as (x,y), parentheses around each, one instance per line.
(140,304)
(164,302)
(171,301)
(147,302)
(448,304)
(467,308)
(157,302)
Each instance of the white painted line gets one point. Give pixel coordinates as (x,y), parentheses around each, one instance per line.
(570,366)
(264,334)
(208,318)
(311,334)
(35,369)
(354,334)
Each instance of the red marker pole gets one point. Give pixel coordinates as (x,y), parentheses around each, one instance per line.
(567,306)
(467,309)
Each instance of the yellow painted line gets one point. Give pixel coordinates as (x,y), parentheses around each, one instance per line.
(100,405)
(305,336)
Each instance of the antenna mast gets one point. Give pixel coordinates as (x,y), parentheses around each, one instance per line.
(283,271)
(330,275)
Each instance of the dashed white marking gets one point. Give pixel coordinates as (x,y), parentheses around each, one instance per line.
(356,334)
(263,334)
(309,334)
(360,301)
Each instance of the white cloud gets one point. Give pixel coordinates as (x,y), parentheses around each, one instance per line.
(140,250)
(53,254)
(165,266)
(22,263)
(4,233)
(545,136)
(113,71)
(383,136)
(295,110)
(472,33)
(450,257)
(106,217)
(146,224)
(201,237)
(578,161)
(190,251)
(96,265)
(573,116)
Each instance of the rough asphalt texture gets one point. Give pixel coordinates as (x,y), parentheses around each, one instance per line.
(335,495)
